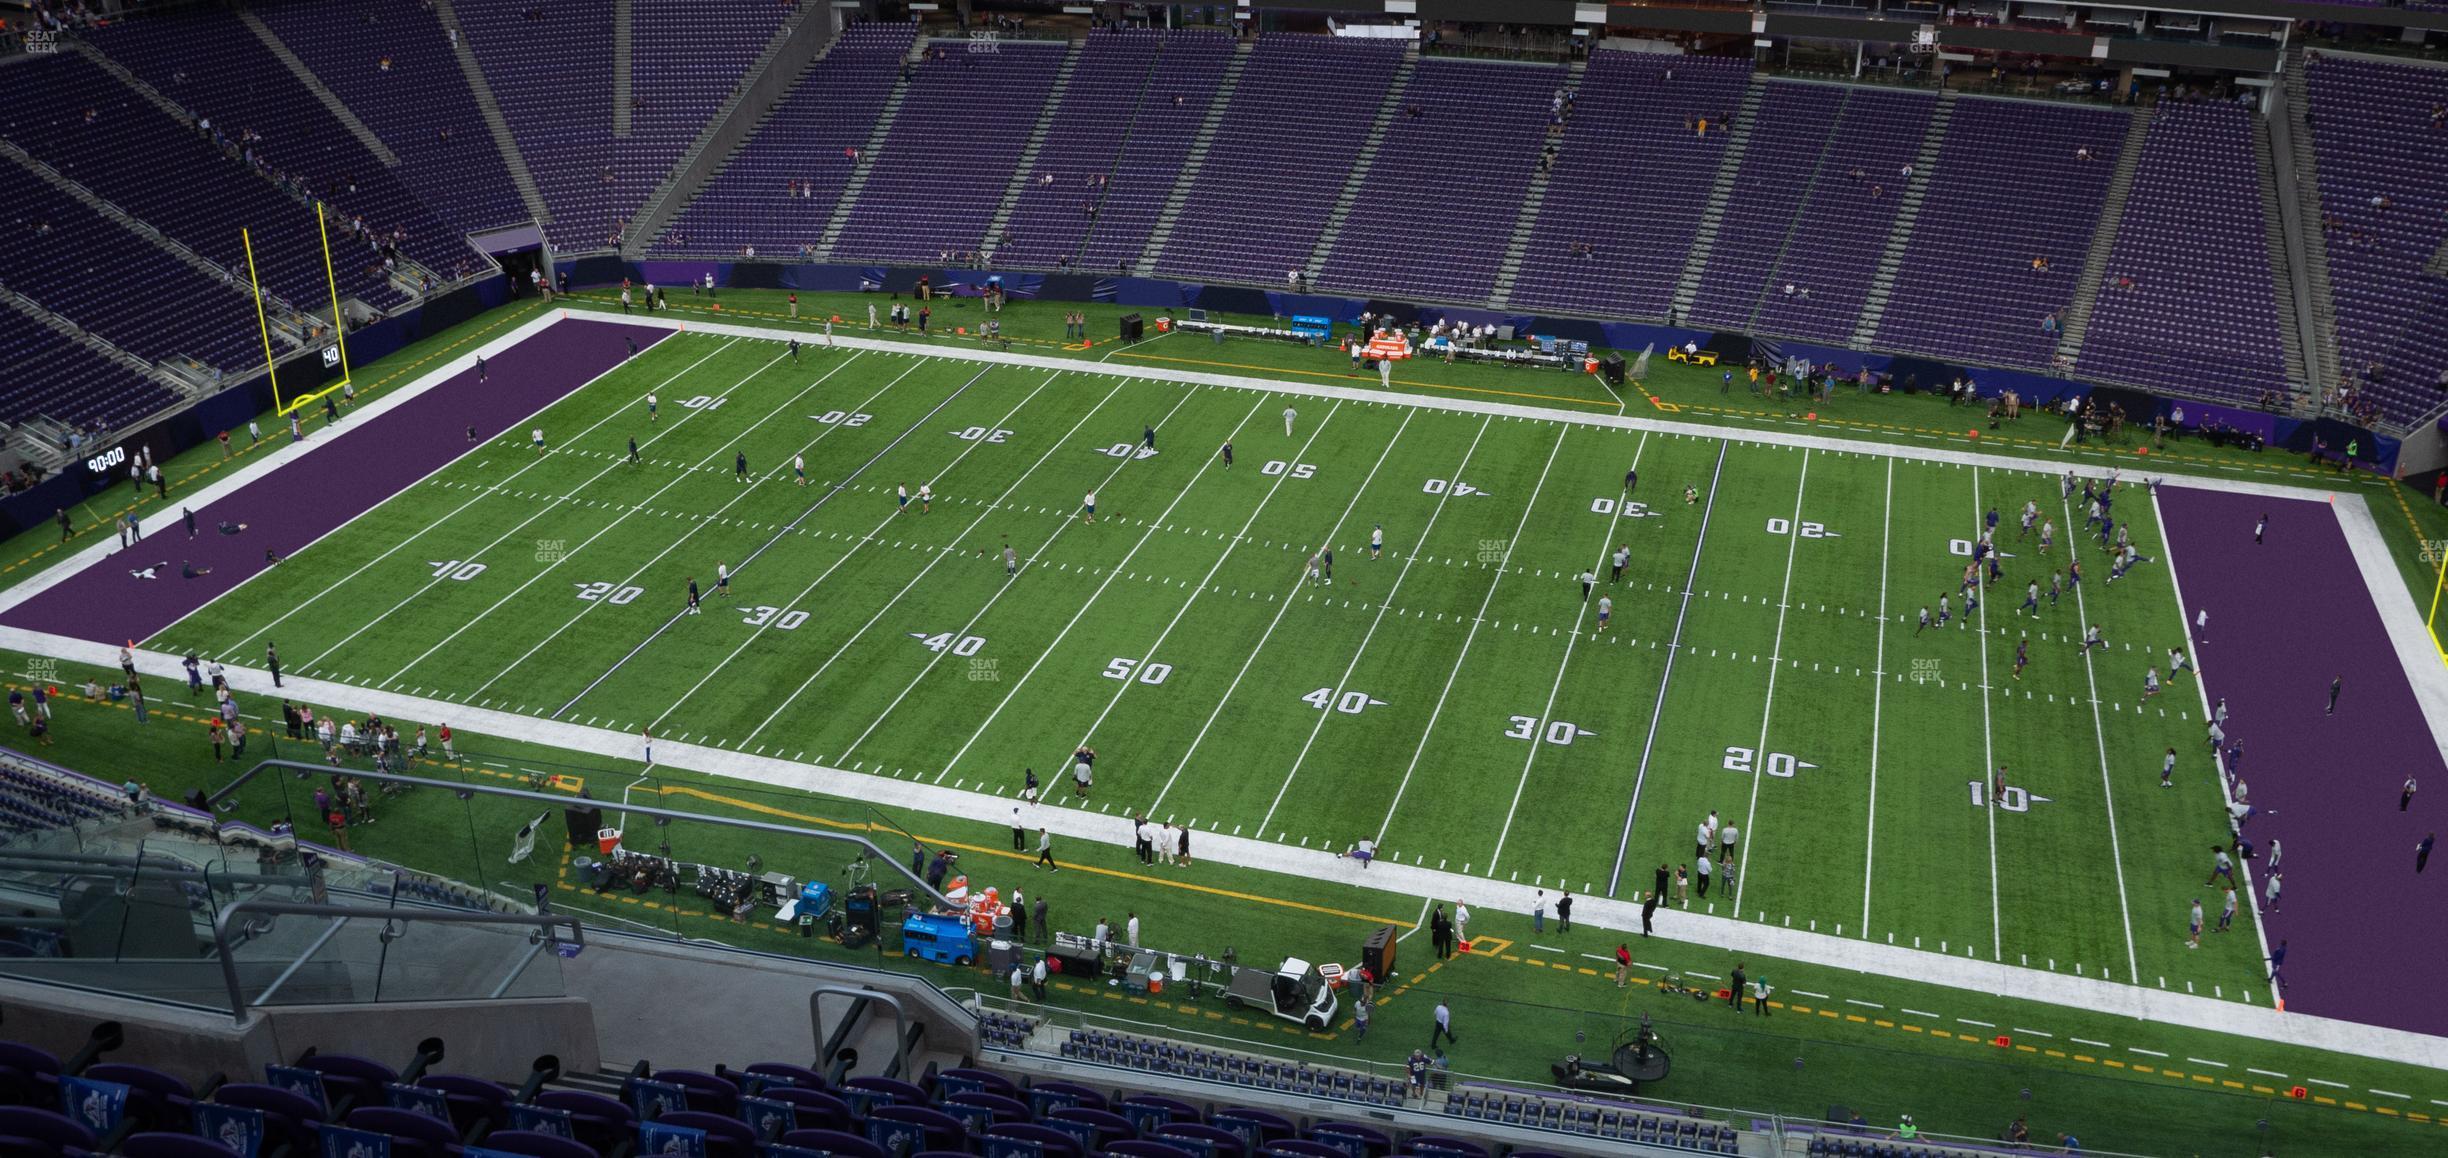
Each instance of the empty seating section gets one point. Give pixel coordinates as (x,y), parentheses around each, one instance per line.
(1792,132)
(1630,183)
(1829,239)
(552,77)
(2201,314)
(1599,1117)
(2007,190)
(35,796)
(1149,165)
(1300,111)
(803,141)
(419,105)
(1437,210)
(686,57)
(139,159)
(50,375)
(80,265)
(2375,138)
(945,163)
(1108,88)
(217,69)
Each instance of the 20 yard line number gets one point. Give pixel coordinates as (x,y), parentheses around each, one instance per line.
(617,596)
(1778,526)
(1781,765)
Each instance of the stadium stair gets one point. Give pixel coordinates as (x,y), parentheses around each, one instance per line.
(624,71)
(1882,284)
(994,237)
(2290,333)
(305,76)
(867,158)
(1721,195)
(1196,160)
(529,194)
(1352,183)
(2103,240)
(1028,153)
(2322,361)
(1509,266)
(795,48)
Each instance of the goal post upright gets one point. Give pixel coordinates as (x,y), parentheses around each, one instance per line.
(339,320)
(262,326)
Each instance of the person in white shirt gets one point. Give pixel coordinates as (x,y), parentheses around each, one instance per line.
(1462,922)
(1289,415)
(1707,837)
(1131,930)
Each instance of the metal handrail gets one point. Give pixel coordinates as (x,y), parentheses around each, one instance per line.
(544,923)
(900,1019)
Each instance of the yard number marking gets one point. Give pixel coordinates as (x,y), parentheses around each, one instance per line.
(1779,764)
(455,569)
(1779,526)
(1559,732)
(616,596)
(1120,669)
(967,645)
(1349,703)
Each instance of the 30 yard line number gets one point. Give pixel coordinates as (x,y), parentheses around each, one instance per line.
(1558,732)
(781,620)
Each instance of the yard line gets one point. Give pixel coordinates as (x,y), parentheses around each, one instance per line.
(991,509)
(1674,643)
(758,632)
(2091,1043)
(831,492)
(479,496)
(2099,736)
(2265,1073)
(1548,712)
(1878,692)
(624,517)
(1112,573)
(1237,539)
(2203,1061)
(1285,605)
(1476,621)
(1383,605)
(1776,648)
(1997,931)
(2167,548)
(2140,1050)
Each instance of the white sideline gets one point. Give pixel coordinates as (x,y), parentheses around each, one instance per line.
(2395,605)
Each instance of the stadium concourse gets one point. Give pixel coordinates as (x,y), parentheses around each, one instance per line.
(84,607)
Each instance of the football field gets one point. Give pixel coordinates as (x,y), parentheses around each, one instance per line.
(1454,698)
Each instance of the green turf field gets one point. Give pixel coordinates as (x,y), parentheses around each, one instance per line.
(1453,699)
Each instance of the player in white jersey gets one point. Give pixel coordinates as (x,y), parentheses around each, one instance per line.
(722,579)
(1289,415)
(799,468)
(926,498)
(1376,540)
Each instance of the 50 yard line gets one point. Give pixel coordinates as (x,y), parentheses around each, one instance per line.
(1674,643)
(1622,499)
(1283,606)
(1237,539)
(1112,573)
(1477,621)
(991,509)
(1997,931)
(1776,659)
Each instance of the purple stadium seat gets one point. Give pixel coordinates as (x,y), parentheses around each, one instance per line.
(1149,1148)
(895,1089)
(726,1137)
(940,1130)
(167,1145)
(797,1075)
(289,1118)
(1053,1143)
(1215,1140)
(413,1135)
(472,1100)
(45,1130)
(836,1142)
(705,1091)
(537,1145)
(1303,1148)
(814,1109)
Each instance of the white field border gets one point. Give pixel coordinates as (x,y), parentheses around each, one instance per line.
(2121,999)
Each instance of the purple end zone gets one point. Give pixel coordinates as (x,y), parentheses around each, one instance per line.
(2286,616)
(291,507)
